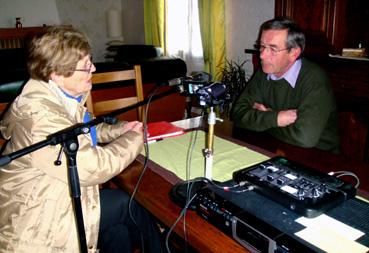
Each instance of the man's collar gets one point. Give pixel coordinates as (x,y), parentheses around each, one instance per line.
(291,74)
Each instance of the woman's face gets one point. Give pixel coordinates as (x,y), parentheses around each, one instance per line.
(80,81)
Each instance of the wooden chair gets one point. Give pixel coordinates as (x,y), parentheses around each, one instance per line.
(108,105)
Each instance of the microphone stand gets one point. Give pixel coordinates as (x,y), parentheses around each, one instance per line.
(208,151)
(183,191)
(68,139)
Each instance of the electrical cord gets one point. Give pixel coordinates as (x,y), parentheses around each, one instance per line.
(189,199)
(181,214)
(228,188)
(342,173)
(189,186)
(243,185)
(190,183)
(146,148)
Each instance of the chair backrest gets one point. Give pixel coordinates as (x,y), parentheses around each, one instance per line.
(108,105)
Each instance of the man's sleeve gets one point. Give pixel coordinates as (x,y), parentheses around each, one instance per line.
(313,113)
(243,114)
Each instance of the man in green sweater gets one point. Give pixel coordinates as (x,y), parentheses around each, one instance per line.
(289,97)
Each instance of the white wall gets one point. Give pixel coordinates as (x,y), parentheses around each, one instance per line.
(32,13)
(133,21)
(88,16)
(243,19)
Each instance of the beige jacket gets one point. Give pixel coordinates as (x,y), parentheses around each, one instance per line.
(36,213)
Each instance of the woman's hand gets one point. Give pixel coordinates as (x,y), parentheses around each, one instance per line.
(132,126)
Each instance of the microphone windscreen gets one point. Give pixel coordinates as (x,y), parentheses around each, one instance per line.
(200,76)
(175,81)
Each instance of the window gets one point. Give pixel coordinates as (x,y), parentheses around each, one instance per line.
(183,33)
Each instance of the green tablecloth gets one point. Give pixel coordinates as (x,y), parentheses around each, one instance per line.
(185,153)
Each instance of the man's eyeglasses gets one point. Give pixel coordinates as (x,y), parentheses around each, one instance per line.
(270,49)
(88,67)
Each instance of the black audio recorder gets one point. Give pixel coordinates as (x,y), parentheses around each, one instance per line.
(263,225)
(270,233)
(301,189)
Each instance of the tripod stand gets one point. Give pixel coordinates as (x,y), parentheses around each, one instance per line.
(184,191)
(208,151)
(68,139)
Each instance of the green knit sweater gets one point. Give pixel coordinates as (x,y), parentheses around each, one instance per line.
(316,124)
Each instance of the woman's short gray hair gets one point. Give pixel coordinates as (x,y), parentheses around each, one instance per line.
(58,50)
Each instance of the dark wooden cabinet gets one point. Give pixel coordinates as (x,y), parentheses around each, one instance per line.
(329,25)
(316,18)
(18,37)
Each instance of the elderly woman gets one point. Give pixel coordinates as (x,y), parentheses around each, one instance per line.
(36,211)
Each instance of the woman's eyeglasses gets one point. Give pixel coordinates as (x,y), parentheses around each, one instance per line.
(88,67)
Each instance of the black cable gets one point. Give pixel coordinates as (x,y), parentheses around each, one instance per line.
(342,173)
(146,148)
(181,214)
(189,186)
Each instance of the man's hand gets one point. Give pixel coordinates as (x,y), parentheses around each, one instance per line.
(132,126)
(261,107)
(286,118)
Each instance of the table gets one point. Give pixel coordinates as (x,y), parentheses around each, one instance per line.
(153,195)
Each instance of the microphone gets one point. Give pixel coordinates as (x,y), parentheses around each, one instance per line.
(195,77)
(213,94)
(215,90)
(188,85)
(201,76)
(175,81)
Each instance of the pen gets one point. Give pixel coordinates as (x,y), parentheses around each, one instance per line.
(152,141)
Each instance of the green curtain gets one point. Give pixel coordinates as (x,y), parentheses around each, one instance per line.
(154,21)
(212,27)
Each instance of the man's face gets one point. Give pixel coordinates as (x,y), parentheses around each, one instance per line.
(275,57)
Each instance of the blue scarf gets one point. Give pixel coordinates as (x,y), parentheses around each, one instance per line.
(86,118)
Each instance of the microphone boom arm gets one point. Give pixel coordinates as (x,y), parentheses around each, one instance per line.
(77,129)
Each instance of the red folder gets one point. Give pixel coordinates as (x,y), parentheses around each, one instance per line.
(162,129)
